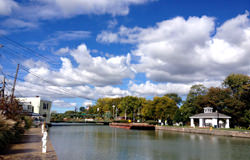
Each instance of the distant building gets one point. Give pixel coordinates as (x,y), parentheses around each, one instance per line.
(36,105)
(27,107)
(210,118)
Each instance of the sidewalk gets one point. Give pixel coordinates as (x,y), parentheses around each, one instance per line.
(30,148)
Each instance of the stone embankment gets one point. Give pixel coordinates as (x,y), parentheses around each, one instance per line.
(217,132)
(30,148)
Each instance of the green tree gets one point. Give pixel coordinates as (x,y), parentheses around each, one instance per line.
(174,97)
(236,81)
(178,116)
(196,90)
(195,102)
(218,98)
(130,106)
(82,109)
(245,98)
(165,108)
(238,106)
(148,110)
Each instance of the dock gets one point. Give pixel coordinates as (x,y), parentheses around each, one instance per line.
(137,126)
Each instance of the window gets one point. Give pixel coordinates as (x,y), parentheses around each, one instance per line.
(44,106)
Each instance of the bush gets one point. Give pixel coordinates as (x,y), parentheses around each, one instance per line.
(151,122)
(28,122)
(10,131)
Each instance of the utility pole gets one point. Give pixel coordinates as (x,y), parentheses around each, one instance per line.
(1,46)
(14,85)
(3,87)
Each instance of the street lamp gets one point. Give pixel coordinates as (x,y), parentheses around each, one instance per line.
(116,112)
(218,122)
(126,113)
(113,111)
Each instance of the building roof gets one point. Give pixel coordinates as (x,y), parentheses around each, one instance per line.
(210,115)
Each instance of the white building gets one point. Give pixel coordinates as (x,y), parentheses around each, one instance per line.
(37,105)
(210,118)
(27,107)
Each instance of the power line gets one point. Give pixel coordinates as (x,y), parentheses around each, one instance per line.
(21,46)
(16,53)
(51,90)
(49,82)
(7,75)
(32,52)
(22,51)
(15,90)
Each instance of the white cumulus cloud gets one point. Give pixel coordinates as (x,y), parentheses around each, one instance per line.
(188,50)
(7,6)
(97,71)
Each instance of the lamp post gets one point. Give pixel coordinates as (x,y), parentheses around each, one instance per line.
(113,111)
(218,119)
(116,113)
(126,113)
(97,111)
(139,114)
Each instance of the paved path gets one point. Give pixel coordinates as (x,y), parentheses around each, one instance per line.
(30,148)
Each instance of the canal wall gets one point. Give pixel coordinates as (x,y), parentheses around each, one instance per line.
(138,126)
(206,131)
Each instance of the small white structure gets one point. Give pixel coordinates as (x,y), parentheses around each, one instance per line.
(210,118)
(38,105)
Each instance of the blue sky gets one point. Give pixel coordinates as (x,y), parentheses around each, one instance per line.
(74,52)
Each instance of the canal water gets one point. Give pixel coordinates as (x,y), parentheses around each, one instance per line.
(105,143)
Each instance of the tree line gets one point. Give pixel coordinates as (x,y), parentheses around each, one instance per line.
(232,99)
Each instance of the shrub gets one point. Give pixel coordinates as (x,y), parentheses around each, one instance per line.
(151,122)
(28,122)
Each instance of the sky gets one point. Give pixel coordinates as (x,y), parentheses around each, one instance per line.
(74,52)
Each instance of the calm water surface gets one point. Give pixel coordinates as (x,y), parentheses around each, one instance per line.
(105,143)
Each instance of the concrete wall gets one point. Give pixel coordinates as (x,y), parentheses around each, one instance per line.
(206,131)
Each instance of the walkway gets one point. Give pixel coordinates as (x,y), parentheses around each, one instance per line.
(29,148)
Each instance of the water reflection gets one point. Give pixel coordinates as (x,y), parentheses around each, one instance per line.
(103,142)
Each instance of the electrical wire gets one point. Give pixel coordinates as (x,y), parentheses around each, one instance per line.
(16,44)
(29,50)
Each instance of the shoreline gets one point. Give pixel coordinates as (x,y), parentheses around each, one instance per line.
(228,133)
(30,147)
(138,126)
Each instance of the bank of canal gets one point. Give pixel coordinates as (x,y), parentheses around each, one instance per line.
(215,132)
(30,148)
(104,142)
